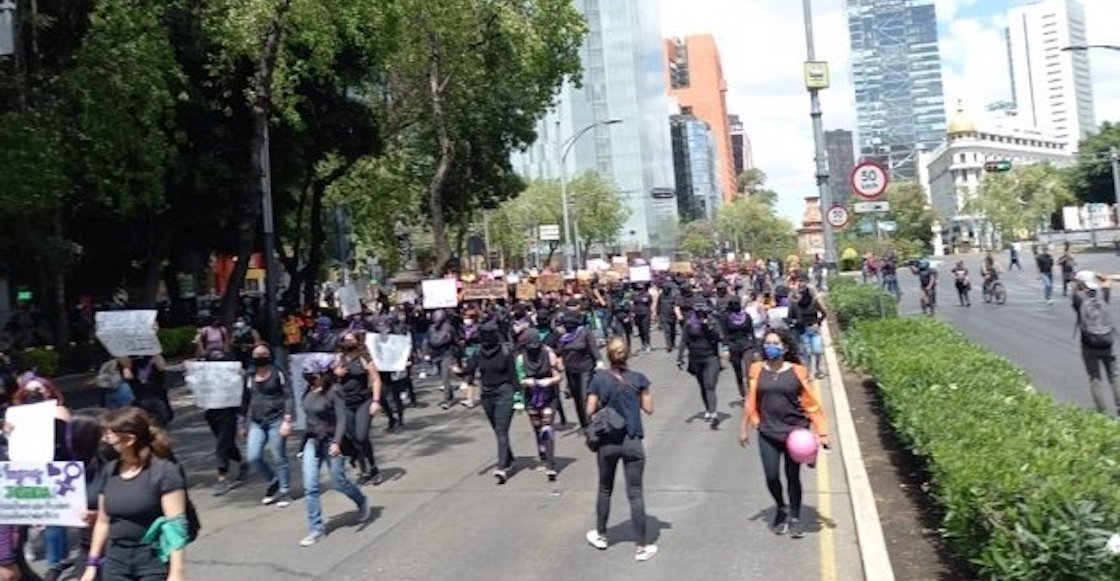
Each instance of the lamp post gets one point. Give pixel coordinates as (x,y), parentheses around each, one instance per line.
(563,148)
(816,78)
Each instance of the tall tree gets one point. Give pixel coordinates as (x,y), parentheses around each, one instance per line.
(1092,177)
(696,238)
(752,225)
(911,213)
(1021,199)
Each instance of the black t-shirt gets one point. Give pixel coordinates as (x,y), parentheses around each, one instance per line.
(325,412)
(134,504)
(779,403)
(1045,263)
(495,365)
(642,303)
(355,384)
(623,396)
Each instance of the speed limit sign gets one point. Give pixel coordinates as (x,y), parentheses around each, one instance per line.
(837,216)
(869,180)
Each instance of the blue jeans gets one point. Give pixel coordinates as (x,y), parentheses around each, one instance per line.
(120,397)
(56,545)
(268,435)
(312,461)
(1047,285)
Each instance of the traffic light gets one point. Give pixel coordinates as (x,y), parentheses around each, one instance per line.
(997,166)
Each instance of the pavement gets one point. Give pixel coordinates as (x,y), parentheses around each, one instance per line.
(1036,336)
(440,515)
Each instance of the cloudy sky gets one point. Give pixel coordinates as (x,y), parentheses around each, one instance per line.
(762,44)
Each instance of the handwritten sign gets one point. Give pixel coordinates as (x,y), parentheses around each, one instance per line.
(659,263)
(349,301)
(215,384)
(43,493)
(550,282)
(640,274)
(390,352)
(490,289)
(526,291)
(125,333)
(440,293)
(681,268)
(32,436)
(621,270)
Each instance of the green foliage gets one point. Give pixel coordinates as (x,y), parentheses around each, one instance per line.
(697,239)
(850,259)
(1021,199)
(1029,486)
(178,341)
(44,360)
(852,301)
(754,226)
(1091,179)
(911,212)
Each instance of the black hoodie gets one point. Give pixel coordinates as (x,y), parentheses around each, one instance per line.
(494,363)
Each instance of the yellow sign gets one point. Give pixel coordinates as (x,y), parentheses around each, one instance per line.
(816,75)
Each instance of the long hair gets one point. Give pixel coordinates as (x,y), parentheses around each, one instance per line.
(151,440)
(84,437)
(787,342)
(49,390)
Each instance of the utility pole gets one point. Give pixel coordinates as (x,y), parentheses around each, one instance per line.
(272,271)
(816,78)
(1114,157)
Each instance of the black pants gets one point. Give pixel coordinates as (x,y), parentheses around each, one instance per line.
(740,358)
(497,402)
(633,457)
(669,329)
(773,451)
(391,398)
(444,361)
(577,385)
(358,423)
(642,320)
(706,372)
(157,405)
(133,562)
(223,424)
(962,294)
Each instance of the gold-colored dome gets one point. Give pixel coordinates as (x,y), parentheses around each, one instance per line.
(961,123)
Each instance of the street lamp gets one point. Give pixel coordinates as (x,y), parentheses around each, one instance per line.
(564,147)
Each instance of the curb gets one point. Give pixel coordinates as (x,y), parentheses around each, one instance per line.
(869,531)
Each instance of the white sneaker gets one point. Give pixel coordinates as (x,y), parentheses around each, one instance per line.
(596,540)
(312,538)
(365,512)
(645,553)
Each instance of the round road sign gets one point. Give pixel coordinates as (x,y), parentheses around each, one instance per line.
(837,216)
(869,180)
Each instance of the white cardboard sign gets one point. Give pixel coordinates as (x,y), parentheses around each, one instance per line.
(440,293)
(215,384)
(390,352)
(125,333)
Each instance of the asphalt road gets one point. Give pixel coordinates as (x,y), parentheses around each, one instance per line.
(1038,337)
(440,515)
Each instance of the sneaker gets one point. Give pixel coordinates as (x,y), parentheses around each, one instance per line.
(780,526)
(284,500)
(446,405)
(270,494)
(796,531)
(551,474)
(645,553)
(312,538)
(222,486)
(242,473)
(820,375)
(365,512)
(373,476)
(596,540)
(501,476)
(715,421)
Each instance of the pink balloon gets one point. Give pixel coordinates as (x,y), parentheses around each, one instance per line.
(802,445)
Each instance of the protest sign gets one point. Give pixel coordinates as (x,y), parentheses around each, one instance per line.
(32,436)
(659,263)
(125,333)
(550,282)
(349,301)
(215,384)
(526,291)
(390,352)
(640,274)
(681,268)
(440,293)
(43,493)
(489,289)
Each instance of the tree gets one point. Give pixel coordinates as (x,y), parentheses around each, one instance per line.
(1021,199)
(751,181)
(911,213)
(598,209)
(696,238)
(1092,178)
(752,225)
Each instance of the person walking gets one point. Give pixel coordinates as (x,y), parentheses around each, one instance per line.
(628,393)
(223,425)
(324,442)
(1045,264)
(808,315)
(1069,267)
(741,343)
(702,339)
(538,371)
(1097,333)
(268,406)
(580,352)
(361,391)
(781,400)
(497,370)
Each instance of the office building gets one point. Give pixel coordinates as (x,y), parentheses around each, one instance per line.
(841,161)
(695,76)
(694,164)
(896,70)
(624,79)
(1052,89)
(741,154)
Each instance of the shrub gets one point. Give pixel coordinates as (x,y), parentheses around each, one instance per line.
(178,341)
(853,301)
(42,359)
(1031,488)
(850,260)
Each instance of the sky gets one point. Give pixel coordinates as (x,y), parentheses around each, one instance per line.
(762,45)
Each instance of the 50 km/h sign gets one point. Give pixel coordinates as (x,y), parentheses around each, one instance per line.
(869,180)
(837,216)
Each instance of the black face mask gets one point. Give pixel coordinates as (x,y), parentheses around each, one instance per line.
(261,361)
(36,397)
(107,453)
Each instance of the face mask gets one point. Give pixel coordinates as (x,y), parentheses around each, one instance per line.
(36,397)
(349,346)
(261,361)
(734,307)
(107,452)
(773,352)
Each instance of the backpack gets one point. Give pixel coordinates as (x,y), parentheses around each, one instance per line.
(606,425)
(1095,323)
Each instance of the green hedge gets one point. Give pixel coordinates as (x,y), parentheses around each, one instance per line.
(1031,488)
(178,341)
(851,301)
(45,360)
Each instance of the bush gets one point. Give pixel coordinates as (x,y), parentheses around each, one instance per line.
(850,260)
(44,360)
(1031,488)
(853,301)
(178,341)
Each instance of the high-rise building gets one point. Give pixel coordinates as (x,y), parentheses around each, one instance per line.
(741,153)
(694,163)
(841,161)
(896,70)
(1052,89)
(623,79)
(695,76)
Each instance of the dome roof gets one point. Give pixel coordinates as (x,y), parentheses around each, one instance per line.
(961,123)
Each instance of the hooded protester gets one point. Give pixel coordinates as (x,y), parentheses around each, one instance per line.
(702,338)
(496,367)
(580,352)
(539,375)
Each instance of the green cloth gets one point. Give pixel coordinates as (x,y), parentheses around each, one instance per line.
(170,534)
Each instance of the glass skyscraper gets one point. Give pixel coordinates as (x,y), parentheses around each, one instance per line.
(694,163)
(623,78)
(896,70)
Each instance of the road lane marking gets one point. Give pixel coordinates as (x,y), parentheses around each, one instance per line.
(824,512)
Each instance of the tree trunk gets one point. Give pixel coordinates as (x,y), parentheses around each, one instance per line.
(251,208)
(436,87)
(153,266)
(315,246)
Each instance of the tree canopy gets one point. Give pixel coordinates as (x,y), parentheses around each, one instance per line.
(1022,199)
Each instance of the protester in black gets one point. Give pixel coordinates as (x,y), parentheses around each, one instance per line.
(361,391)
(496,367)
(580,351)
(702,338)
(539,370)
(643,311)
(742,345)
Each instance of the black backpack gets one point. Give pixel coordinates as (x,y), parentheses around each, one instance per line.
(1095,323)
(607,424)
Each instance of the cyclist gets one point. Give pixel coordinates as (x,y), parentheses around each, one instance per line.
(988,273)
(927,279)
